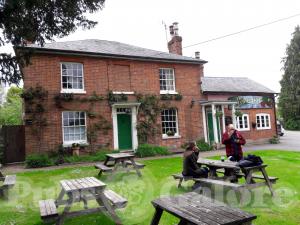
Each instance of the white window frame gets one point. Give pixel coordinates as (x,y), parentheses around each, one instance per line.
(238,118)
(264,116)
(69,143)
(72,90)
(174,84)
(176,135)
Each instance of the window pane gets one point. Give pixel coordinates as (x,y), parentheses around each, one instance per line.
(72,76)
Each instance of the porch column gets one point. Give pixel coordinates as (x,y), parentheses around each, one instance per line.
(204,123)
(134,130)
(115,128)
(233,116)
(223,119)
(213,110)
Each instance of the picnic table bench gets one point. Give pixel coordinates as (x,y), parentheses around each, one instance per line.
(8,182)
(218,167)
(192,208)
(116,161)
(82,190)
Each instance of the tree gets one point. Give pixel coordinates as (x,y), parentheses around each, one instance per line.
(38,21)
(289,99)
(11,110)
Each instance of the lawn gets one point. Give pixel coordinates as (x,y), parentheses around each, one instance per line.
(22,208)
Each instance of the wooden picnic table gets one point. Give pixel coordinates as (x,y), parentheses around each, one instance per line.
(119,161)
(238,172)
(192,208)
(82,190)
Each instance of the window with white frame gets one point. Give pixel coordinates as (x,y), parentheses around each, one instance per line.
(242,122)
(167,80)
(169,122)
(72,77)
(263,121)
(74,127)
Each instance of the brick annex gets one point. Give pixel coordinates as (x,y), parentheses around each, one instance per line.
(195,106)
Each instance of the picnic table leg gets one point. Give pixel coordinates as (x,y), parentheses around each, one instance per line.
(102,201)
(248,177)
(136,167)
(60,198)
(264,172)
(2,177)
(156,216)
(70,201)
(106,160)
(212,172)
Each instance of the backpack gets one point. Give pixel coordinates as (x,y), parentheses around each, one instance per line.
(250,160)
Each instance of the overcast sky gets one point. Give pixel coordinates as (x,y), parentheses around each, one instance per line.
(256,54)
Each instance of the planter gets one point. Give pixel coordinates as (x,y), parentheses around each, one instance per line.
(75,151)
(170,133)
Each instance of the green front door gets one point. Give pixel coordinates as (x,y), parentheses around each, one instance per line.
(210,127)
(124,131)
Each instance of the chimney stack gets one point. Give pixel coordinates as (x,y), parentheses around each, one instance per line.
(197,55)
(175,44)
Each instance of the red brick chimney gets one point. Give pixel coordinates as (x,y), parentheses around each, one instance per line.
(175,45)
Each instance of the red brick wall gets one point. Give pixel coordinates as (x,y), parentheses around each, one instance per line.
(102,75)
(254,134)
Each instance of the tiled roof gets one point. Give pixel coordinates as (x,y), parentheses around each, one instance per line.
(233,84)
(112,49)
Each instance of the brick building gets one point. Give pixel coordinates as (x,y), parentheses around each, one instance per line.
(76,74)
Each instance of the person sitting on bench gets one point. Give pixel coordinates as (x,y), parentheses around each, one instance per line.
(190,165)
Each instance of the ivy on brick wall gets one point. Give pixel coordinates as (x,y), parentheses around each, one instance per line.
(34,98)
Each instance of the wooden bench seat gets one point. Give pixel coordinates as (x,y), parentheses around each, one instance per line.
(103,168)
(116,200)
(9,182)
(48,209)
(139,165)
(206,181)
(255,176)
(181,178)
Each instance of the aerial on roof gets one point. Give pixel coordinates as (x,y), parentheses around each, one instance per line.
(233,84)
(111,49)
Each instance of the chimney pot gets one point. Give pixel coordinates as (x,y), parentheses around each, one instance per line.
(175,28)
(197,55)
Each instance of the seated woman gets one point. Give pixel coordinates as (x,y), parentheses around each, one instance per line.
(190,165)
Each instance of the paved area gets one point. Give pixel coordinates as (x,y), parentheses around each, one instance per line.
(289,142)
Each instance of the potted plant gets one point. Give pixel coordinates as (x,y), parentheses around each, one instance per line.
(75,149)
(170,133)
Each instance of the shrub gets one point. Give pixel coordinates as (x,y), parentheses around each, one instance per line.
(146,150)
(204,146)
(93,157)
(274,140)
(38,160)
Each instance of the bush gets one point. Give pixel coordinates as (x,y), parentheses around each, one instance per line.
(274,140)
(204,146)
(146,150)
(38,160)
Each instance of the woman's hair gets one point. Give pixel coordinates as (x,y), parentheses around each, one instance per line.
(191,146)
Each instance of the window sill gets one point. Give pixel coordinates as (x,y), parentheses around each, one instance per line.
(243,129)
(69,144)
(123,92)
(264,128)
(165,137)
(168,92)
(72,91)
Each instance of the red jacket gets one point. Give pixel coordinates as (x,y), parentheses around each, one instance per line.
(229,146)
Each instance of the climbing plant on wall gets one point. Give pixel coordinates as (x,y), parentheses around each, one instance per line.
(34,98)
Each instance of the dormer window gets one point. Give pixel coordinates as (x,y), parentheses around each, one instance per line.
(167,81)
(72,77)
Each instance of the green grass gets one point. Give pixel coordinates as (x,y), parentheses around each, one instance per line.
(22,208)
